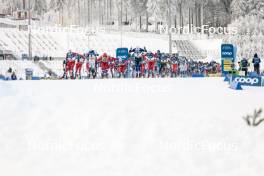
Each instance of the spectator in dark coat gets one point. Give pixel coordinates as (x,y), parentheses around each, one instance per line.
(256,61)
(13,76)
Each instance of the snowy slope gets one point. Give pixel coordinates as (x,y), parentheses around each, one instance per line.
(129,127)
(56,42)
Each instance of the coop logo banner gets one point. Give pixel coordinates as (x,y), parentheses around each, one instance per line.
(248,81)
(227,51)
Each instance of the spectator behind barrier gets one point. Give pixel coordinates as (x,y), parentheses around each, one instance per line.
(13,76)
(9,74)
(256,61)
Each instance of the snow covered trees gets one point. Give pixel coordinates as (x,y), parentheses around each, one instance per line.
(39,6)
(8,6)
(249,38)
(139,9)
(58,6)
(156,10)
(248,18)
(247,7)
(143,12)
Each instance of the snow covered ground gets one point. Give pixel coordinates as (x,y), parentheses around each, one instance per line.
(129,127)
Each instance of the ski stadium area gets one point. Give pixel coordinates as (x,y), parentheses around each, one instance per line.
(54,42)
(51,44)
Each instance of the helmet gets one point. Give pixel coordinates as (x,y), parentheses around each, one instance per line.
(149,54)
(104,55)
(137,50)
(92,52)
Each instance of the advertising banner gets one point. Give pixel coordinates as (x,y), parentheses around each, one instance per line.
(228,58)
(122,53)
(248,81)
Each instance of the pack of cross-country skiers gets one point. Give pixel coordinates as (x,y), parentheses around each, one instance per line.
(140,64)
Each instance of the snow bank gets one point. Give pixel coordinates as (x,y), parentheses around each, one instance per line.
(129,127)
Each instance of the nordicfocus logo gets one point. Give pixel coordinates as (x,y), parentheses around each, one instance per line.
(251,81)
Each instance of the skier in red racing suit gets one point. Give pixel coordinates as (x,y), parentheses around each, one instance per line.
(105,64)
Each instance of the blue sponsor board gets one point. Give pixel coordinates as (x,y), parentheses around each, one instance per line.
(35,78)
(2,77)
(198,76)
(122,53)
(227,51)
(228,55)
(248,81)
